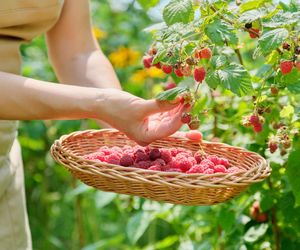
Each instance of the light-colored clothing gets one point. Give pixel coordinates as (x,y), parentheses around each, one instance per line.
(20,21)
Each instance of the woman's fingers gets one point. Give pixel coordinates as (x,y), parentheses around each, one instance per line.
(155,106)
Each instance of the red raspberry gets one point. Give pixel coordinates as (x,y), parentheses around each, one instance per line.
(98,156)
(254,119)
(113,159)
(257,127)
(208,163)
(157,65)
(154,154)
(199,74)
(253,35)
(286,67)
(186,118)
(196,169)
(170,85)
(184,164)
(173,151)
(143,164)
(152,51)
(205,53)
(167,69)
(220,169)
(192,160)
(174,170)
(273,146)
(224,162)
(194,135)
(140,155)
(208,171)
(297,65)
(166,155)
(147,61)
(178,72)
(126,160)
(116,149)
(199,156)
(155,168)
(214,159)
(158,162)
(233,170)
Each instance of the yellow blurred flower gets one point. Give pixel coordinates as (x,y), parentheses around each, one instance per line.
(124,57)
(142,74)
(98,33)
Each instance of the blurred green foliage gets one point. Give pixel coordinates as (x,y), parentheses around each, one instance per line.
(66,214)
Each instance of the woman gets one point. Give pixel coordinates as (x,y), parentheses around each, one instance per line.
(77,60)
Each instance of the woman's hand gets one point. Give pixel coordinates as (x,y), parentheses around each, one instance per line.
(142,120)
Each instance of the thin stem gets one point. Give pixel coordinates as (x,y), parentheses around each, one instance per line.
(239,55)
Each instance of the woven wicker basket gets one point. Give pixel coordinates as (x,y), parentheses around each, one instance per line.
(172,187)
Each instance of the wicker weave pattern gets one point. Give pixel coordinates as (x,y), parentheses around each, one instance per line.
(172,187)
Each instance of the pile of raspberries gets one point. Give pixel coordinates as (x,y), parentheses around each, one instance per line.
(163,159)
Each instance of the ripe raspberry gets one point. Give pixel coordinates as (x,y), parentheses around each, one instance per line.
(254,119)
(257,127)
(126,160)
(199,156)
(214,159)
(140,155)
(173,151)
(167,68)
(143,164)
(208,163)
(184,164)
(274,90)
(286,67)
(205,53)
(178,72)
(286,46)
(147,61)
(174,170)
(157,65)
(233,170)
(166,155)
(113,159)
(194,135)
(224,162)
(208,171)
(297,65)
(155,168)
(220,169)
(98,156)
(154,154)
(297,50)
(186,118)
(186,70)
(255,34)
(273,146)
(196,169)
(158,162)
(194,124)
(199,74)
(248,25)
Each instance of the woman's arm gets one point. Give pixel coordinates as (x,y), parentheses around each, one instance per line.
(28,99)
(75,53)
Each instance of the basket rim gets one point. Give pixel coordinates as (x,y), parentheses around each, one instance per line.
(95,165)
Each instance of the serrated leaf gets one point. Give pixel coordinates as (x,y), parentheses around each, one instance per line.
(212,79)
(282,19)
(271,40)
(294,87)
(255,233)
(219,31)
(137,225)
(236,78)
(171,94)
(287,111)
(146,4)
(178,12)
(293,173)
(251,16)
(254,4)
(218,61)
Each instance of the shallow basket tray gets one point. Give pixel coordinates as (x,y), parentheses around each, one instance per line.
(171,187)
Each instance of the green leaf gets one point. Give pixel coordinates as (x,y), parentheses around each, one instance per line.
(178,12)
(294,87)
(251,16)
(212,79)
(226,219)
(271,40)
(218,61)
(287,111)
(146,4)
(137,225)
(236,78)
(251,5)
(104,198)
(219,31)
(282,19)
(293,173)
(171,93)
(255,233)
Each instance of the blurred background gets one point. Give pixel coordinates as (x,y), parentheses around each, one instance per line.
(66,214)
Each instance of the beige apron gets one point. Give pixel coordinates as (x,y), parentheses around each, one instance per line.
(20,21)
